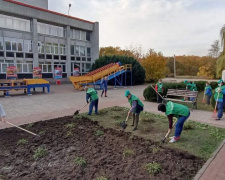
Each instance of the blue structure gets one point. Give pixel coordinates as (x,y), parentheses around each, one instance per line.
(118,77)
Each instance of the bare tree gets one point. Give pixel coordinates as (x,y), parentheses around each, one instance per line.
(214,50)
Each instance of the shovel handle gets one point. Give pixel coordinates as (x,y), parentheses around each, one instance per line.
(20,128)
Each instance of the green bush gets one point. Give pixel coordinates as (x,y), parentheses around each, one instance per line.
(153,168)
(213,85)
(138,72)
(80,161)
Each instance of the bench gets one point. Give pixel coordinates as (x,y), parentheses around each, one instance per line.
(182,96)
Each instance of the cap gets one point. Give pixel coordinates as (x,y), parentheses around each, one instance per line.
(127,92)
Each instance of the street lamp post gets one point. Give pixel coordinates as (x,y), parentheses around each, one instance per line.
(174,66)
(69,9)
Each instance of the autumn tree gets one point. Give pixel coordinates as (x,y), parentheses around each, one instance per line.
(155,65)
(220,63)
(208,70)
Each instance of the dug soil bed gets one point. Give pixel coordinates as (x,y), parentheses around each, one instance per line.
(67,138)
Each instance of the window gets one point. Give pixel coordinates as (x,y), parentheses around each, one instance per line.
(4,65)
(27,45)
(50,29)
(83,35)
(11,22)
(55,48)
(72,50)
(41,47)
(51,48)
(1,42)
(13,44)
(88,51)
(25,67)
(82,51)
(46,67)
(60,65)
(88,67)
(77,34)
(88,36)
(77,51)
(62,49)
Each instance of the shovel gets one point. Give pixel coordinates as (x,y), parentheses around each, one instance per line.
(164,140)
(124,123)
(20,128)
(77,111)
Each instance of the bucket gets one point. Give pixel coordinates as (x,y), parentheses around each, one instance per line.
(58,82)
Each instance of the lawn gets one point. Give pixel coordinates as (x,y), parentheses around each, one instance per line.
(198,139)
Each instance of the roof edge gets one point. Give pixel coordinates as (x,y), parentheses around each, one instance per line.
(46,10)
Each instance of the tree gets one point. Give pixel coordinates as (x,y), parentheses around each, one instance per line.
(214,50)
(222,35)
(155,65)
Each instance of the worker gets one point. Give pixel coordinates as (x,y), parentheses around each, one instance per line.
(188,84)
(208,93)
(159,88)
(104,86)
(218,96)
(136,107)
(93,96)
(193,87)
(179,111)
(2,113)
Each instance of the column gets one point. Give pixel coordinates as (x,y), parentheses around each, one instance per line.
(35,42)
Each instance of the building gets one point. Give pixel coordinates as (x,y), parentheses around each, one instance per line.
(32,36)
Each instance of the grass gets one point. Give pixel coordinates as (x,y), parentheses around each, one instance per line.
(40,153)
(197,139)
(80,161)
(29,125)
(153,168)
(22,141)
(70,125)
(200,104)
(99,133)
(128,153)
(101,178)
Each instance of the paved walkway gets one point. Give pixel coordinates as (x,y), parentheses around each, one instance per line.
(64,100)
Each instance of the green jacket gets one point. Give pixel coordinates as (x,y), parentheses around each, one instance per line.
(219,96)
(176,109)
(93,94)
(193,87)
(135,98)
(160,87)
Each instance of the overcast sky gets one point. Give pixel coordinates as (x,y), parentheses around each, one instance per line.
(180,27)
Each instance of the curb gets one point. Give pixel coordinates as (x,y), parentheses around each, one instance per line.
(208,162)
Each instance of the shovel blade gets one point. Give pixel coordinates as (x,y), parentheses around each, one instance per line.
(76,112)
(164,140)
(124,125)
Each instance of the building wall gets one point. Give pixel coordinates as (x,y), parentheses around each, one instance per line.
(39,3)
(53,42)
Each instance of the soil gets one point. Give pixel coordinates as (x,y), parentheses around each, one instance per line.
(103,154)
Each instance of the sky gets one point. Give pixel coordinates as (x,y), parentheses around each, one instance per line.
(173,27)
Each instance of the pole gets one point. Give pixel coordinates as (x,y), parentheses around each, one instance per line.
(69,9)
(174,66)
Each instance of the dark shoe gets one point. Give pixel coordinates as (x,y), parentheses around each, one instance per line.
(217,119)
(89,114)
(132,124)
(106,96)
(135,129)
(97,113)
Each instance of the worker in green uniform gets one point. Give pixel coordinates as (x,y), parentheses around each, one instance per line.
(93,96)
(218,96)
(136,107)
(159,88)
(179,111)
